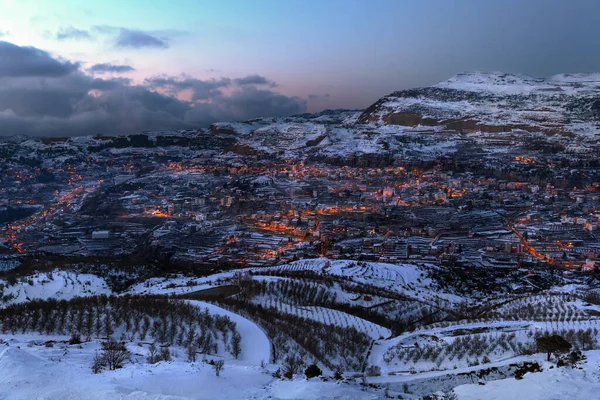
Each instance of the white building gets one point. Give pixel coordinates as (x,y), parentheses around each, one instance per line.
(100,235)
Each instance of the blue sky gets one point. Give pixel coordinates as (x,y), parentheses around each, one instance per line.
(354,50)
(329,53)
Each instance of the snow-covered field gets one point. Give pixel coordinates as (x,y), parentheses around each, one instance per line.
(335,317)
(552,383)
(256,348)
(30,369)
(374,273)
(427,355)
(60,285)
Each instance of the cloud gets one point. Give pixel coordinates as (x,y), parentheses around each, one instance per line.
(245,103)
(4,33)
(108,84)
(45,96)
(70,33)
(255,80)
(129,38)
(313,97)
(109,68)
(17,61)
(78,104)
(201,89)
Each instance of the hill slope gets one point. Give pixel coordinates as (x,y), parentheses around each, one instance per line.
(565,104)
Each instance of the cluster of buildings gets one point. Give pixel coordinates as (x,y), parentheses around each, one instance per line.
(509,211)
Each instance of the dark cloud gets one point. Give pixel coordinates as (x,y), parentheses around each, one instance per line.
(43,96)
(17,61)
(201,89)
(80,105)
(245,103)
(254,80)
(109,84)
(108,68)
(129,38)
(70,33)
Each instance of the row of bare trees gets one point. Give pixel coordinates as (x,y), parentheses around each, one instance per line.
(333,346)
(143,318)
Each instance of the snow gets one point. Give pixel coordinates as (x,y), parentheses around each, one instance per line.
(241,128)
(503,83)
(500,99)
(309,390)
(60,285)
(26,375)
(30,370)
(256,347)
(555,383)
(330,316)
(437,335)
(374,273)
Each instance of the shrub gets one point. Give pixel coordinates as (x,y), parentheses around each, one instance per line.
(75,338)
(312,371)
(98,363)
(165,354)
(153,355)
(291,365)
(374,370)
(525,368)
(113,355)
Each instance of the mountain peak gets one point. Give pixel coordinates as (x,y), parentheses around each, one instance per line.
(508,83)
(563,104)
(491,82)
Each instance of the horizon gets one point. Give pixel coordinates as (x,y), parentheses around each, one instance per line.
(74,68)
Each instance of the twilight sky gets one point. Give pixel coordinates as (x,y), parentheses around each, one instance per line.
(113,66)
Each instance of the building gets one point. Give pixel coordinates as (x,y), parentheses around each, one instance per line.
(100,235)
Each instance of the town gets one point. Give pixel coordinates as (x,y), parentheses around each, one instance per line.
(523,206)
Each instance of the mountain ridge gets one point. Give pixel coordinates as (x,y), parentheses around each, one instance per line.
(564,104)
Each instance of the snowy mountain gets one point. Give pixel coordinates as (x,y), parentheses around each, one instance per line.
(470,109)
(421,123)
(565,104)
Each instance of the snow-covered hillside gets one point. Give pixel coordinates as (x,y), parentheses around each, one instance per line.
(31,370)
(60,285)
(256,348)
(552,383)
(390,320)
(419,124)
(565,104)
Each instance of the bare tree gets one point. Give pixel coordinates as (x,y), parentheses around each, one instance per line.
(191,353)
(236,344)
(552,344)
(244,283)
(218,366)
(114,354)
